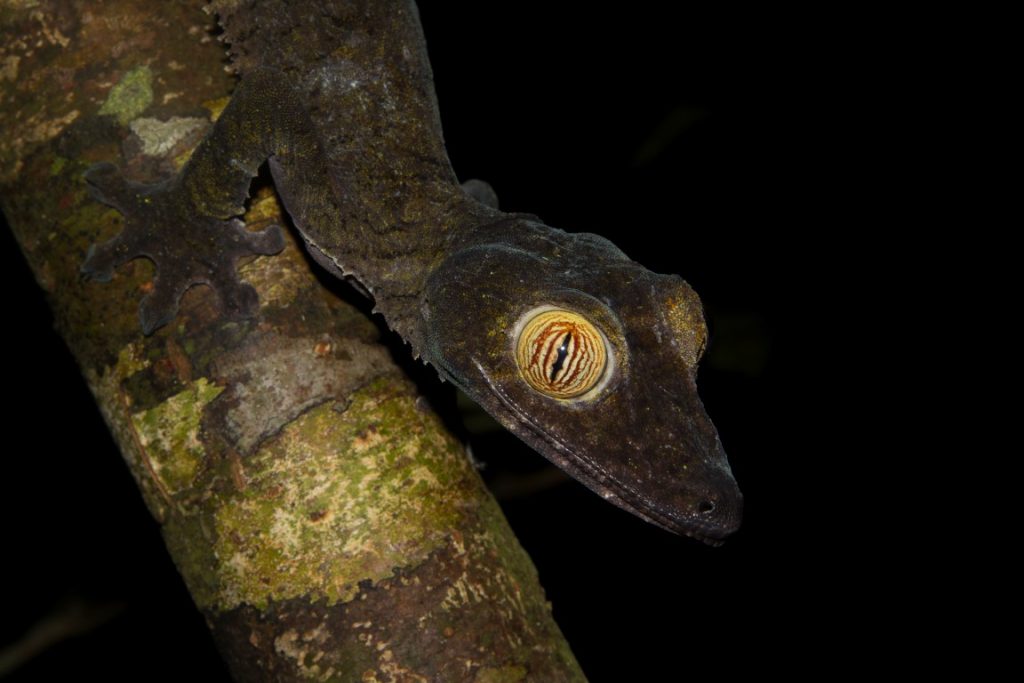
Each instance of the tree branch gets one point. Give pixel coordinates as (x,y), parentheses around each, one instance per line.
(326,524)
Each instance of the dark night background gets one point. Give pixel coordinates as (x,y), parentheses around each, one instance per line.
(693,141)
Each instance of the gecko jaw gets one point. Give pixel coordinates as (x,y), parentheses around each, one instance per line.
(598,479)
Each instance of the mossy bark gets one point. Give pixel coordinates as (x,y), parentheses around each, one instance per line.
(327,525)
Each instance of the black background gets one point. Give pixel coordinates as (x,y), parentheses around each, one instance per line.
(693,139)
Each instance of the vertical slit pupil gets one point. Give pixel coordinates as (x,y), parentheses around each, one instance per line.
(563,351)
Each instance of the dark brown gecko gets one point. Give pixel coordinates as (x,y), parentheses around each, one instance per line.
(584,354)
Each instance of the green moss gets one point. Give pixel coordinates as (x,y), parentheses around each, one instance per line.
(58,165)
(170,434)
(505,674)
(129,361)
(328,504)
(131,96)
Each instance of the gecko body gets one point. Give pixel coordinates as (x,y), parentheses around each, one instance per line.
(584,354)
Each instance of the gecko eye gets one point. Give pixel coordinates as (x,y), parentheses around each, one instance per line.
(561,353)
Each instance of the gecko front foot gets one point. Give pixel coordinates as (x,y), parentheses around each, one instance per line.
(187,247)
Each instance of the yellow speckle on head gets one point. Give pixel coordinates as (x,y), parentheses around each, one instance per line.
(684,315)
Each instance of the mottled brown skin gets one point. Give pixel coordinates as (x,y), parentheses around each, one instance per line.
(338,97)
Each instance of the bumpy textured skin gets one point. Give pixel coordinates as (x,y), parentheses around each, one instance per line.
(338,96)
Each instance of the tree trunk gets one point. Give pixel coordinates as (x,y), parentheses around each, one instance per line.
(326,524)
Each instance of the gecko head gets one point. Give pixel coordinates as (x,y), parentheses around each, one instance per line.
(591,359)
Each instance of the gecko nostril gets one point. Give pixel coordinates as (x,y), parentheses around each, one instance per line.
(705,506)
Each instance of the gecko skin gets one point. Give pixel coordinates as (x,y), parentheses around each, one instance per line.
(584,354)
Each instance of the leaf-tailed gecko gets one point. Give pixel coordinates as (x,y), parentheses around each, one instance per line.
(584,354)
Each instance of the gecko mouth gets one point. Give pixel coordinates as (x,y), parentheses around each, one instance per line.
(605,484)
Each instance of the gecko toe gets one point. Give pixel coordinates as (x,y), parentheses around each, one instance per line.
(98,265)
(160,306)
(267,242)
(108,186)
(102,259)
(238,299)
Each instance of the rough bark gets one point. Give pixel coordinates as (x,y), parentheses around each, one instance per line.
(326,524)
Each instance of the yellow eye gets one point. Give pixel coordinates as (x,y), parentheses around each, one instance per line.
(561,354)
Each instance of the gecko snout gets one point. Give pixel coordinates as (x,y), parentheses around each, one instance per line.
(716,509)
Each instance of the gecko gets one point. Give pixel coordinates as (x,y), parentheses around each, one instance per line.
(582,353)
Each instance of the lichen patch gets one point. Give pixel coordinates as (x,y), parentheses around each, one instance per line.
(170,434)
(158,137)
(114,404)
(276,378)
(131,96)
(302,650)
(9,67)
(328,502)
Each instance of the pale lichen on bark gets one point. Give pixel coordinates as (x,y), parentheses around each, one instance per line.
(336,499)
(131,96)
(326,524)
(169,433)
